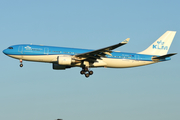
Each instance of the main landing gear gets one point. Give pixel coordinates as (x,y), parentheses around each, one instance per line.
(21,65)
(85,71)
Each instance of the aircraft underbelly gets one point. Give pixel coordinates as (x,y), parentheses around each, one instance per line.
(105,62)
(124,63)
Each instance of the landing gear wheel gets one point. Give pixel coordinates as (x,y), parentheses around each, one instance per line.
(87,75)
(90,72)
(86,69)
(21,65)
(82,72)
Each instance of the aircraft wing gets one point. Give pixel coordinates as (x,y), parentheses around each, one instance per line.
(97,54)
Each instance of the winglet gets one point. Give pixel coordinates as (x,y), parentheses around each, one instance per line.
(125,41)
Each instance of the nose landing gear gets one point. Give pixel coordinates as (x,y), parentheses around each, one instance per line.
(85,71)
(21,65)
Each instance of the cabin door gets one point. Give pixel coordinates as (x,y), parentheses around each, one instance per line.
(46,51)
(20,49)
(137,57)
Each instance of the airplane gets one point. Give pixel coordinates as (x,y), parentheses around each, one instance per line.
(63,57)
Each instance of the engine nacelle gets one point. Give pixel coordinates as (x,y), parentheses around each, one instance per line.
(64,60)
(60,67)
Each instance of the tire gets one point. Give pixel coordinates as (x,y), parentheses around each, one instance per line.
(85,69)
(90,72)
(82,72)
(21,65)
(87,75)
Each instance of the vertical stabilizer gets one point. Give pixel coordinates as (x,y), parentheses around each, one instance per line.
(161,45)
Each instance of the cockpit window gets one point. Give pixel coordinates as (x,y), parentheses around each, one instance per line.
(10,47)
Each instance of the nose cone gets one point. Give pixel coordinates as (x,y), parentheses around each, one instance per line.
(5,51)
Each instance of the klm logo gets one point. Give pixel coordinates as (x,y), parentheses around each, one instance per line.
(28,48)
(160,46)
(32,49)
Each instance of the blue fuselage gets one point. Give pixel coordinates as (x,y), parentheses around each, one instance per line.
(33,50)
(67,57)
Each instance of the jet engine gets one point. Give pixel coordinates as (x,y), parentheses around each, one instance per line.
(64,60)
(60,67)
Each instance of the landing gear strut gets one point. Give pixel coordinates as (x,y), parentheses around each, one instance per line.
(21,65)
(85,71)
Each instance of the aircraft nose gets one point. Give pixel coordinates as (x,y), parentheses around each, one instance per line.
(5,51)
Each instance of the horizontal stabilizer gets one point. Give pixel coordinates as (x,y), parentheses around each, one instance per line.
(164,56)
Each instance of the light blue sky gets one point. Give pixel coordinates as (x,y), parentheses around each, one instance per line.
(36,92)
